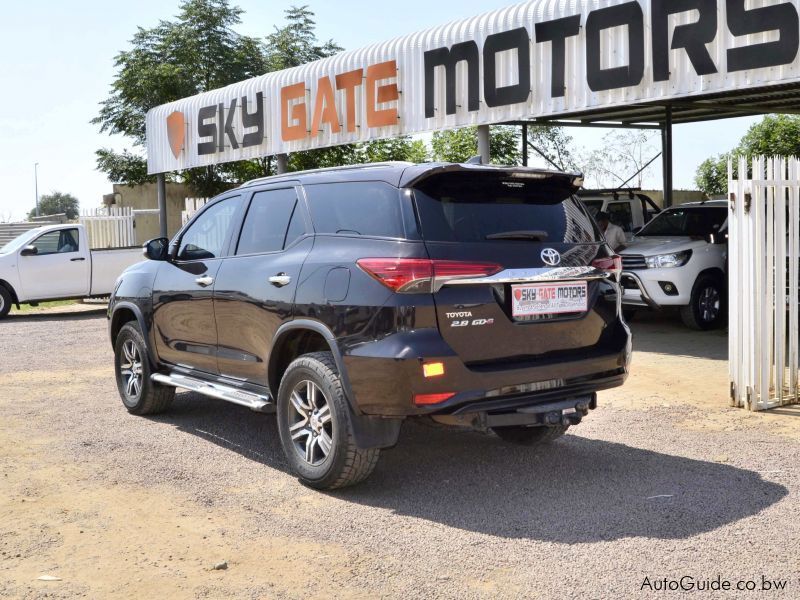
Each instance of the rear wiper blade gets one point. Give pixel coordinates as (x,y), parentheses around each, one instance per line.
(524,234)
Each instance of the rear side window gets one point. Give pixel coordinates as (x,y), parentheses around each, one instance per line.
(465,207)
(268,221)
(369,208)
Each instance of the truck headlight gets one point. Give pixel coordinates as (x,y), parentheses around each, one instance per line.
(663,261)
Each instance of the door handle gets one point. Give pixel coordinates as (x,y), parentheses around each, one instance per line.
(280,280)
(204,281)
(76,259)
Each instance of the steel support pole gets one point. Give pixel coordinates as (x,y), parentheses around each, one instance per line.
(282,163)
(666,156)
(483,144)
(161,186)
(524,144)
(36,185)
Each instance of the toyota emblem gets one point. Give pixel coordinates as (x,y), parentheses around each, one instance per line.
(551,257)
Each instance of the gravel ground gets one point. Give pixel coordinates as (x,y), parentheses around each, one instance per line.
(662,481)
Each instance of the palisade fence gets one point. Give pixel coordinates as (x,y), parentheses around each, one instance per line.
(764,267)
(192,205)
(111,227)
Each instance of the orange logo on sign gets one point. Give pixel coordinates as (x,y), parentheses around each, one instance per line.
(176,131)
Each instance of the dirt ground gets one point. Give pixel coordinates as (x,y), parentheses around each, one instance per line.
(664,480)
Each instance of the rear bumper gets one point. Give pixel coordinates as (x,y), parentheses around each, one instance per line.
(386,375)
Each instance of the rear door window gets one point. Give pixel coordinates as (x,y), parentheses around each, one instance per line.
(469,208)
(268,222)
(368,208)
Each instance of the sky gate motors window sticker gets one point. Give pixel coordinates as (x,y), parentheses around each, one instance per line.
(542,62)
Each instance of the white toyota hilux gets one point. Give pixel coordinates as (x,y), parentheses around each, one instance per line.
(680,259)
(55,263)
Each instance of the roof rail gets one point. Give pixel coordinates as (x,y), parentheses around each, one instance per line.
(328,169)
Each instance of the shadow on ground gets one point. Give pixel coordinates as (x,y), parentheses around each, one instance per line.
(664,333)
(576,490)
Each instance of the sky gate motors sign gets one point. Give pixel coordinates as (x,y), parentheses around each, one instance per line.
(528,60)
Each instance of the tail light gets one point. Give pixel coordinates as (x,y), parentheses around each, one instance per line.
(428,399)
(611,264)
(419,275)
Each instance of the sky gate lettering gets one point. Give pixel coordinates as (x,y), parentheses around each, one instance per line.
(691,38)
(530,60)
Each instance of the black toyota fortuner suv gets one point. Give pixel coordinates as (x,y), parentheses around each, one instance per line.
(348,300)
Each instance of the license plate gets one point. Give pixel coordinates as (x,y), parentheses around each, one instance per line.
(548,298)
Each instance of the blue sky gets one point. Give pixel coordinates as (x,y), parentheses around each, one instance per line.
(56,65)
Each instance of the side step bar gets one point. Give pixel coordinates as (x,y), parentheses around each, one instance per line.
(253,401)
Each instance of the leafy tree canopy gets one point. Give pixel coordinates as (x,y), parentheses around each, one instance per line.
(774,135)
(459,145)
(554,145)
(57,203)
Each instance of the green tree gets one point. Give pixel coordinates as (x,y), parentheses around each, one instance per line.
(623,157)
(296,43)
(554,145)
(711,177)
(459,145)
(57,203)
(197,52)
(774,135)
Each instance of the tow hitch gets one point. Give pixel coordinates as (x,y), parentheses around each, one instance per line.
(562,412)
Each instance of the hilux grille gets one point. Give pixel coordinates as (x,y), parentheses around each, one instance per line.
(633,261)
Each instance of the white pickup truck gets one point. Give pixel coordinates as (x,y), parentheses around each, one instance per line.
(627,208)
(680,259)
(55,263)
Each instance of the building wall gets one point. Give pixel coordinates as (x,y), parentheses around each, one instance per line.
(145,197)
(678,196)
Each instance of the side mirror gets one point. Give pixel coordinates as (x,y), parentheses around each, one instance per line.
(156,249)
(30,250)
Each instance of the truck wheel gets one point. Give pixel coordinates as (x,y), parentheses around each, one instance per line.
(5,302)
(706,309)
(314,425)
(140,395)
(530,436)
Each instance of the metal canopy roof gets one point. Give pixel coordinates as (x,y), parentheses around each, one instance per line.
(654,115)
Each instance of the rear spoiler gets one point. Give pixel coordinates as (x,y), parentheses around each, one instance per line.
(416,174)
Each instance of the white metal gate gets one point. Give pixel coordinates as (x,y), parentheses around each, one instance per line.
(764,244)
(111,227)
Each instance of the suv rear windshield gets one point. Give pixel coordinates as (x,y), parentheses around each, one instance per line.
(689,221)
(466,207)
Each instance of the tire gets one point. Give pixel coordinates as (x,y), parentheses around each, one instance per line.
(313,414)
(706,309)
(628,314)
(5,302)
(530,436)
(132,364)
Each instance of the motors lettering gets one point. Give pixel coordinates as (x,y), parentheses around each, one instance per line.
(628,17)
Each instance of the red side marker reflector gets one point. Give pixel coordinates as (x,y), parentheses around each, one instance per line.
(426,399)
